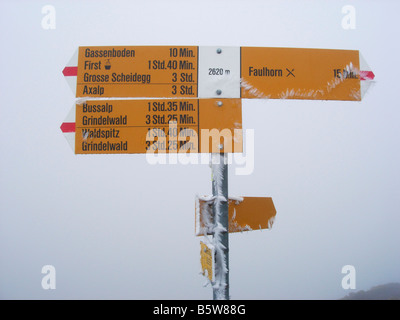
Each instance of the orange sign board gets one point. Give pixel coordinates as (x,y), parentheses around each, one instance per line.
(245,214)
(207,260)
(158,126)
(294,73)
(137,71)
(213,72)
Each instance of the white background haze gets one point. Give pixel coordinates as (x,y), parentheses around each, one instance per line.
(116,227)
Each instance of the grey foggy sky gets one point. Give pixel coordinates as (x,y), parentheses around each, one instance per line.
(116,227)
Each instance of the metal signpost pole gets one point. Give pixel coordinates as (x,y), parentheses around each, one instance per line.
(221,228)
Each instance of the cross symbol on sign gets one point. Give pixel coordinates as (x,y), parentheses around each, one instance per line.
(290,72)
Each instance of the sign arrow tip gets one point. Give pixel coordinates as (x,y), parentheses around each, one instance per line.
(67,127)
(367,75)
(70,71)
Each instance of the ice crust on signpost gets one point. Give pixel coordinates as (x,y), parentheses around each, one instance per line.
(220,231)
(204,209)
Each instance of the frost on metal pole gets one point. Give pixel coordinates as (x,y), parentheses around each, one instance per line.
(219,169)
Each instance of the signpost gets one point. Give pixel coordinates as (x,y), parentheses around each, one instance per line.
(190,101)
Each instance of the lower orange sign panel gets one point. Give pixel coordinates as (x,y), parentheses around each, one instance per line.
(245,214)
(158,126)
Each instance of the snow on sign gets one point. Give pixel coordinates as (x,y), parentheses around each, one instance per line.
(244,214)
(217,72)
(155,126)
(320,74)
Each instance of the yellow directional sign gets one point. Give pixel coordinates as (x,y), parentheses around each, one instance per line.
(157,126)
(137,71)
(282,73)
(223,72)
(245,214)
(207,260)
